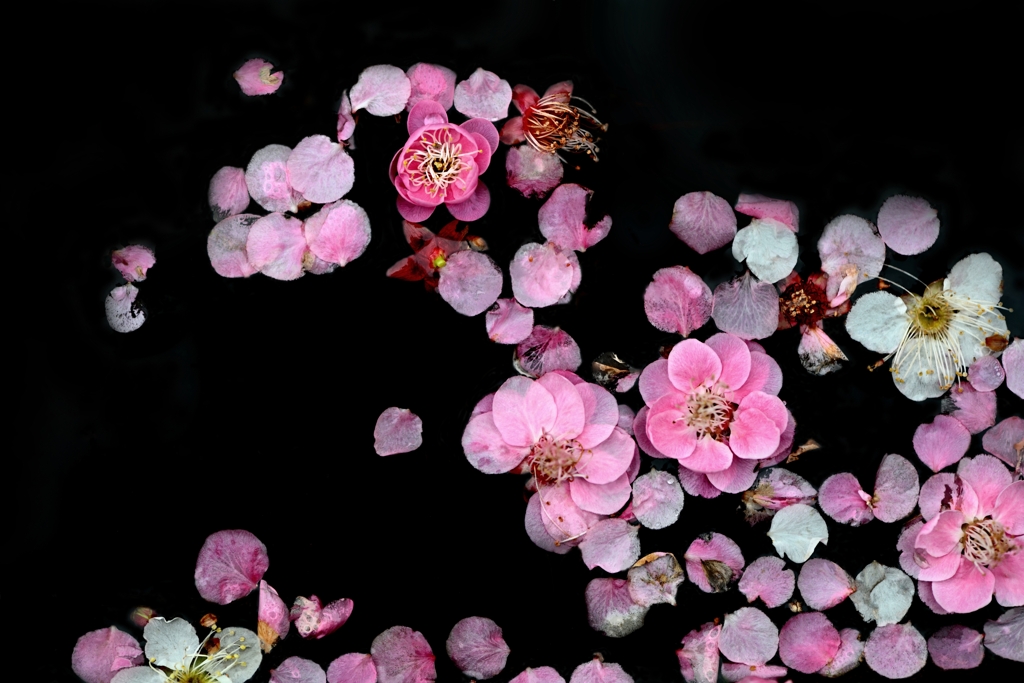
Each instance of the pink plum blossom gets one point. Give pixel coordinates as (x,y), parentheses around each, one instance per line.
(824,584)
(266,176)
(1006,441)
(746,307)
(611,608)
(704,221)
(546,349)
(779,210)
(748,637)
(382,90)
(531,172)
(320,169)
(942,442)
(124,313)
(226,246)
(1005,635)
(398,430)
(431,82)
(543,274)
(768,579)
(597,671)
(654,579)
(476,646)
(508,322)
(550,123)
(440,164)
(231,564)
(796,530)
(563,219)
(100,654)
(483,95)
(298,670)
(257,77)
(850,241)
(699,656)
(470,282)
(228,194)
(657,499)
(975,410)
(353,667)
(402,655)
(768,247)
(713,561)
(956,647)
(1013,364)
(677,300)
(808,642)
(312,620)
(133,262)
(896,488)
(775,489)
(272,623)
(896,651)
(908,225)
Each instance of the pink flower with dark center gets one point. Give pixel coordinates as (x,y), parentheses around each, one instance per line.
(440,164)
(805,304)
(550,123)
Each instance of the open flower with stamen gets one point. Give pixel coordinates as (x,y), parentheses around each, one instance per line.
(551,123)
(805,304)
(176,655)
(934,337)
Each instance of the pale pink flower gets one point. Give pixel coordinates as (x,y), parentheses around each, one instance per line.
(257,77)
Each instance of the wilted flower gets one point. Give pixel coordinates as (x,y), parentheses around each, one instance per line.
(550,123)
(805,304)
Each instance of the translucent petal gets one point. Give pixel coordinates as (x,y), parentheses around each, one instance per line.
(849,656)
(655,578)
(1013,364)
(531,172)
(808,642)
(298,670)
(476,646)
(338,233)
(677,300)
(352,668)
(230,565)
(746,307)
(769,248)
(563,219)
(547,349)
(1006,440)
(942,442)
(896,488)
(266,176)
(759,206)
(657,499)
(878,320)
(346,121)
(170,643)
(824,584)
(956,647)
(402,655)
(977,276)
(226,246)
(484,95)
(713,562)
(133,262)
(597,671)
(796,530)
(100,654)
(1005,635)
(908,225)
(398,430)
(896,651)
(276,246)
(272,623)
(508,322)
(612,544)
(748,636)
(704,221)
(699,656)
(850,240)
(986,374)
(382,90)
(470,282)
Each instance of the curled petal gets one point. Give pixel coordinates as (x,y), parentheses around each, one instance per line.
(473,207)
(699,656)
(850,240)
(908,225)
(849,656)
(975,410)
(655,579)
(677,300)
(230,566)
(840,497)
(382,90)
(746,307)
(545,350)
(796,530)
(272,617)
(713,561)
(228,194)
(780,210)
(942,442)
(346,121)
(703,220)
(563,219)
(257,77)
(124,314)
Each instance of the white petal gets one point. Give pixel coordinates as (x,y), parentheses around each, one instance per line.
(248,660)
(977,276)
(917,369)
(138,674)
(796,530)
(878,321)
(769,248)
(883,594)
(170,643)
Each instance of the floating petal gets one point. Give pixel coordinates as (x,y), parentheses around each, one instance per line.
(956,647)
(123,313)
(276,246)
(1013,364)
(677,300)
(597,671)
(298,670)
(541,274)
(470,282)
(402,655)
(655,578)
(346,121)
(266,176)
(226,246)
(100,654)
(840,497)
(431,82)
(611,608)
(896,488)
(476,646)
(780,210)
(699,657)
(657,499)
(850,240)
(398,430)
(1006,440)
(1005,635)
(713,561)
(896,651)
(908,225)
(704,221)
(849,656)
(272,617)
(563,219)
(542,674)
(808,642)
(547,349)
(796,530)
(748,637)
(257,77)
(531,172)
(768,579)
(508,322)
(824,584)
(611,544)
(228,194)
(747,308)
(352,668)
(986,374)
(883,594)
(484,95)
(338,233)
(768,247)
(382,90)
(320,169)
(230,565)
(942,442)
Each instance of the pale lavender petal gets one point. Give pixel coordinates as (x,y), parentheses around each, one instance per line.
(746,307)
(612,545)
(230,565)
(597,671)
(942,442)
(563,219)
(840,497)
(266,176)
(476,646)
(986,374)
(655,578)
(431,82)
(908,225)
(956,647)
(508,322)
(611,608)
(470,282)
(320,169)
(657,499)
(402,655)
(883,594)
(703,220)
(626,417)
(346,121)
(808,642)
(228,194)
(139,674)
(677,300)
(1005,635)
(354,667)
(769,248)
(257,77)
(975,410)
(547,349)
(226,246)
(298,670)
(382,90)
(123,313)
(398,430)
(796,530)
(699,656)
(338,233)
(896,651)
(849,656)
(1006,440)
(533,173)
(713,561)
(824,584)
(896,488)
(759,206)
(745,673)
(748,636)
(541,274)
(272,623)
(276,246)
(484,95)
(542,674)
(170,643)
(1013,364)
(100,654)
(768,579)
(850,240)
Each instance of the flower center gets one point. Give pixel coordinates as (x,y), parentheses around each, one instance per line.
(191,677)
(552,462)
(985,542)
(803,304)
(708,413)
(930,315)
(553,124)
(437,162)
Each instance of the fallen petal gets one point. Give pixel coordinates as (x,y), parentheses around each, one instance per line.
(1013,364)
(699,657)
(657,499)
(100,654)
(1006,440)
(563,219)
(748,637)
(484,95)
(840,498)
(1005,635)
(956,647)
(850,240)
(849,656)
(677,300)
(398,430)
(883,594)
(611,608)
(768,579)
(769,248)
(780,210)
(266,176)
(298,670)
(382,90)
(896,488)
(824,584)
(597,671)
(431,82)
(320,169)
(796,530)
(230,566)
(908,225)
(654,579)
(546,349)
(746,307)
(476,646)
(508,322)
(531,172)
(713,561)
(611,544)
(470,282)
(542,674)
(896,651)
(257,77)
(541,274)
(272,617)
(942,442)
(402,655)
(276,246)
(352,668)
(808,642)
(226,246)
(124,314)
(703,220)
(339,232)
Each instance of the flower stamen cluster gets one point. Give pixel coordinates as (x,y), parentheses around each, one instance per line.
(551,462)
(986,542)
(552,124)
(437,162)
(804,304)
(709,413)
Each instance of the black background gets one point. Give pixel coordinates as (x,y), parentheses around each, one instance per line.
(251,403)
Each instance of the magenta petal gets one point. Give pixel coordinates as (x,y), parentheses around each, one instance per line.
(483,95)
(713,561)
(272,615)
(133,261)
(382,90)
(402,655)
(896,488)
(320,169)
(753,435)
(849,656)
(473,207)
(808,642)
(677,300)
(1005,635)
(123,313)
(824,584)
(531,172)
(563,218)
(470,282)
(703,220)
(542,674)
(768,579)
(488,132)
(611,608)
(1005,439)
(226,246)
(975,410)
(298,670)
(266,176)
(748,637)
(398,430)
(699,657)
(654,579)
(346,125)
(657,499)
(338,233)
(431,82)
(597,671)
(414,213)
(759,206)
(746,307)
(276,246)
(228,194)
(100,654)
(541,274)
(942,442)
(257,77)
(908,225)
(850,241)
(426,113)
(476,646)
(508,322)
(956,647)
(840,498)
(896,651)
(545,350)
(230,566)
(1013,364)
(611,544)
(352,668)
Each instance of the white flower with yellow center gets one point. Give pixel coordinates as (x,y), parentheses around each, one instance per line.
(175,655)
(934,337)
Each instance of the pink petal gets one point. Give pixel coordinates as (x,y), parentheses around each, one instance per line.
(473,207)
(746,307)
(276,246)
(523,411)
(1005,635)
(896,651)
(883,594)
(736,363)
(626,417)
(483,95)
(475,646)
(542,674)
(693,364)
(657,499)
(230,566)
(346,121)
(736,478)
(956,647)
(402,655)
(905,544)
(228,194)
(708,456)
(541,274)
(1006,440)
(123,313)
(1009,508)
(748,636)
(946,491)
(398,430)
(697,484)
(313,621)
(538,533)
(969,589)
(654,381)
(425,113)
(987,477)
(713,561)
(531,172)
(596,671)
(850,240)
(508,322)
(975,410)
(545,350)
(698,657)
(226,246)
(654,579)
(563,219)
(612,545)
(414,213)
(100,654)
(840,498)
(1009,586)
(431,82)
(273,623)
(266,176)
(524,97)
(382,90)
(824,584)
(745,673)
(768,579)
(640,434)
(602,414)
(908,225)
(703,220)
(486,130)
(849,656)
(775,489)
(924,591)
(512,132)
(570,412)
(753,434)
(257,77)
(338,233)
(986,374)
(133,262)
(1013,364)
(942,442)
(677,300)
(759,206)
(941,535)
(602,499)
(562,518)
(611,609)
(352,668)
(485,448)
(896,488)
(320,169)
(470,282)
(808,642)
(298,670)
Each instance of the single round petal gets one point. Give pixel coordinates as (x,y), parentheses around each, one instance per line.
(508,322)
(896,488)
(601,414)
(709,456)
(276,246)
(824,584)
(563,520)
(748,637)
(123,313)
(170,643)
(759,206)
(753,435)
(611,544)
(883,594)
(977,276)
(266,176)
(1001,441)
(808,641)
(611,608)
(896,651)
(703,220)
(768,579)
(956,647)
(769,248)
(609,459)
(470,282)
(1009,508)
(540,275)
(840,498)
(692,365)
(547,349)
(352,668)
(654,382)
(226,246)
(677,300)
(746,307)
(941,535)
(484,95)
(796,530)
(486,449)
(298,670)
(338,233)
(942,442)
(850,240)
(531,172)
(228,194)
(657,499)
(398,430)
(878,320)
(1005,635)
(736,478)
(1013,364)
(986,373)
(537,531)
(257,77)
(320,169)
(100,654)
(382,90)
(230,566)
(431,82)
(476,646)
(908,225)
(402,655)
